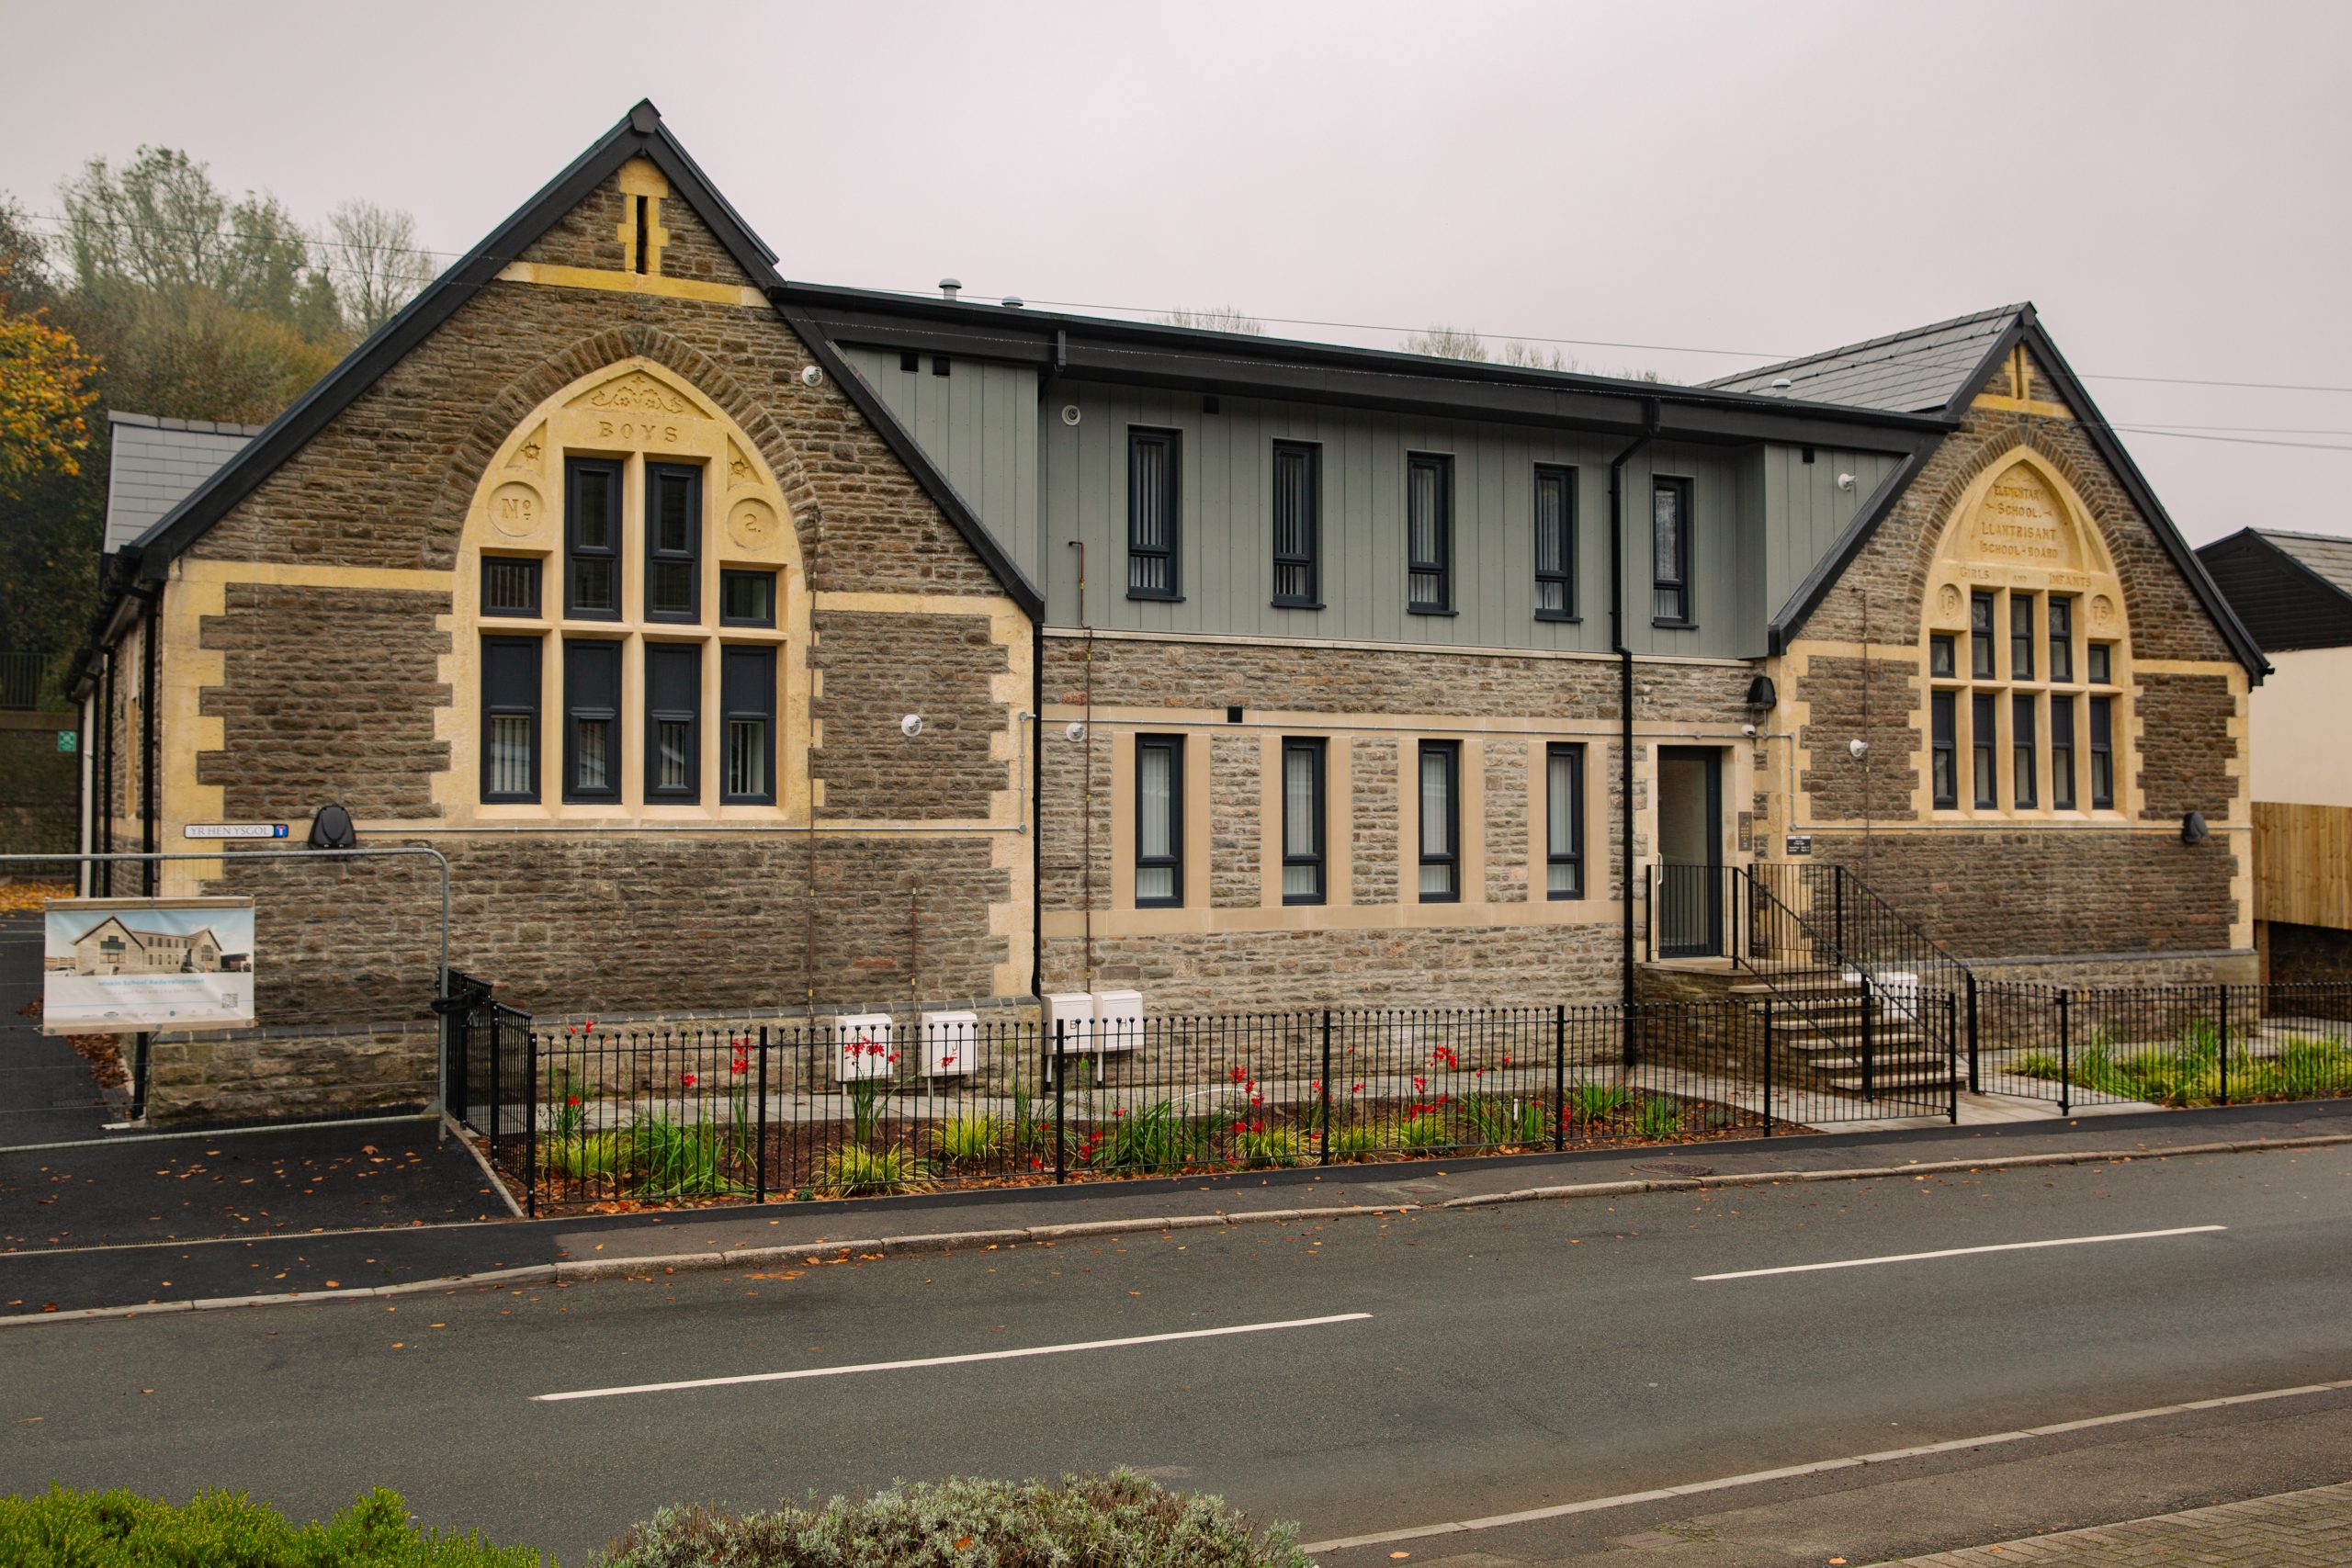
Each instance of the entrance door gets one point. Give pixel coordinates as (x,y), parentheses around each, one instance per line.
(1690,912)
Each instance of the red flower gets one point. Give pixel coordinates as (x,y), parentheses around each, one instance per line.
(1314,1085)
(571,1099)
(687,1079)
(1238,1127)
(1240,1074)
(1117,1111)
(1419,1084)
(1357,1088)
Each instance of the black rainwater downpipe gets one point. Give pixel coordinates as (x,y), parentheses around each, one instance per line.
(151,871)
(1618,645)
(102,883)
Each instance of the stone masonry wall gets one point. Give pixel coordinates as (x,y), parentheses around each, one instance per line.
(878,667)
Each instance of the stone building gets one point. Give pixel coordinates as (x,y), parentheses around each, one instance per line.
(752,648)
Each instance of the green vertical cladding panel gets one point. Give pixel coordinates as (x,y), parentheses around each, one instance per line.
(979,424)
(1806,509)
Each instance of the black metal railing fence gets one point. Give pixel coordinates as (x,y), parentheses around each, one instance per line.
(2173,1045)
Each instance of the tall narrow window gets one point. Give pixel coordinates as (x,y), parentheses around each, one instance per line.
(2062,753)
(1981,741)
(2024,759)
(1151,514)
(1428,534)
(592,720)
(1670,551)
(1563,820)
(1945,777)
(1298,525)
(1980,635)
(2062,637)
(673,721)
(747,707)
(2020,636)
(591,531)
(510,709)
(644,236)
(1301,821)
(510,586)
(1160,821)
(1555,543)
(1441,822)
(2102,754)
(673,542)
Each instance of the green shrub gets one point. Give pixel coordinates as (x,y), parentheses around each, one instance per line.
(1357,1140)
(970,1139)
(1499,1122)
(858,1171)
(672,1160)
(1599,1101)
(586,1155)
(226,1529)
(2190,1073)
(1260,1147)
(1155,1138)
(1423,1133)
(1081,1521)
(1658,1118)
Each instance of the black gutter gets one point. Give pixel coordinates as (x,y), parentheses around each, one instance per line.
(1617,644)
(102,821)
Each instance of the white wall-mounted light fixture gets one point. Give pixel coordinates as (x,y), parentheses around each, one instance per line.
(812,374)
(1857,749)
(1069,413)
(911,726)
(1845,481)
(1077,731)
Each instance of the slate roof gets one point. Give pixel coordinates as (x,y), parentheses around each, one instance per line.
(156,462)
(1907,372)
(2330,555)
(2291,590)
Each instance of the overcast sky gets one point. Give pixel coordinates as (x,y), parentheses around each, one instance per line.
(2167,182)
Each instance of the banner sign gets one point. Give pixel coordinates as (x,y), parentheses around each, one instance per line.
(129,965)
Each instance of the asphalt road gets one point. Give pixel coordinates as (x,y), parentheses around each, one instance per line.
(1511,1357)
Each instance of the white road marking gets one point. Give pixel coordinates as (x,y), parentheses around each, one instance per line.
(1756,1477)
(1961,1252)
(954,1360)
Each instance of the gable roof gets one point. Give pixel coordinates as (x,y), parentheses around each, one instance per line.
(2291,590)
(1907,372)
(639,134)
(153,463)
(1991,334)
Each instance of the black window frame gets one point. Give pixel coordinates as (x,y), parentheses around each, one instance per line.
(1983,643)
(1572,856)
(1943,657)
(1171,554)
(574,552)
(531,570)
(1173,861)
(1564,577)
(1309,561)
(656,558)
(2021,642)
(1438,564)
(1685,493)
(2061,633)
(2099,664)
(657,656)
(577,704)
(1451,856)
(1315,748)
(1943,761)
(746,683)
(2062,793)
(1983,752)
(731,576)
(2102,754)
(2025,753)
(517,694)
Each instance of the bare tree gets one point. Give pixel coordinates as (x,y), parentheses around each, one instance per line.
(1216,318)
(1537,356)
(1447,342)
(379,261)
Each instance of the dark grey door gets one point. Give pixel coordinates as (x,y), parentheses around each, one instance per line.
(1690,912)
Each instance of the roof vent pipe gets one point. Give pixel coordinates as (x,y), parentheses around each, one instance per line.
(1780,384)
(950,286)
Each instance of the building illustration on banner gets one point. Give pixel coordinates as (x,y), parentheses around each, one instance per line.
(120,965)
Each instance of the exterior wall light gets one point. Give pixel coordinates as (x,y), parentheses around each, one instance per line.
(1857,749)
(911,726)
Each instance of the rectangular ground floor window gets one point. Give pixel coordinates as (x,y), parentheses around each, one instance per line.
(1981,741)
(1440,826)
(1945,764)
(2062,753)
(510,705)
(1563,821)
(1160,821)
(747,706)
(2102,754)
(1301,821)
(673,722)
(592,719)
(2024,756)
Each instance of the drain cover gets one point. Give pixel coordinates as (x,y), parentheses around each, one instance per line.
(1675,1167)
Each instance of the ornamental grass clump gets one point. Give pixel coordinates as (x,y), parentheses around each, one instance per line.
(1658,1118)
(62,1529)
(1259,1146)
(968,1140)
(2190,1074)
(856,1171)
(1121,1520)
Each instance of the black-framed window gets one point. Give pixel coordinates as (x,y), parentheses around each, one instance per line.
(2020,636)
(510,585)
(1153,521)
(1428,534)
(1563,820)
(2062,753)
(673,542)
(1555,543)
(1944,777)
(510,718)
(2024,753)
(747,709)
(2062,637)
(747,599)
(1303,823)
(1670,523)
(592,719)
(1441,823)
(1298,525)
(1941,663)
(1981,742)
(592,538)
(1980,635)
(2102,754)
(1160,821)
(673,722)
(2099,660)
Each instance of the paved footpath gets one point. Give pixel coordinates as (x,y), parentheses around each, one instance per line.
(2294,1529)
